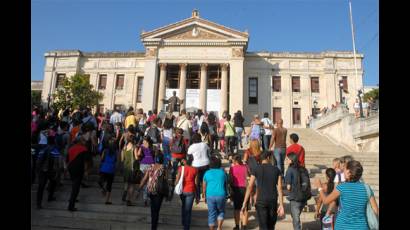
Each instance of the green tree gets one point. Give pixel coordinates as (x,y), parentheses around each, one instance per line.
(36,98)
(76,92)
(374,93)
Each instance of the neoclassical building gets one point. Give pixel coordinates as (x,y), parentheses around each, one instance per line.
(208,66)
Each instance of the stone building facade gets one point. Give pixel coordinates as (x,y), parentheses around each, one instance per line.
(208,66)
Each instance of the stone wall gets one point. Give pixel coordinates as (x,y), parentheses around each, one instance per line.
(357,135)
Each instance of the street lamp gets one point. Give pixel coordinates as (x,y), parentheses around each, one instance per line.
(314,108)
(360,95)
(341,88)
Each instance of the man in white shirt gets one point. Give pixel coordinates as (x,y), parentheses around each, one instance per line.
(185,125)
(267,126)
(116,117)
(199,150)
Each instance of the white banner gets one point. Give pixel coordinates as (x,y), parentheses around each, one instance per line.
(213,100)
(192,99)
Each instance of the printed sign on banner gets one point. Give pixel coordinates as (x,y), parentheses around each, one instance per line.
(192,100)
(213,100)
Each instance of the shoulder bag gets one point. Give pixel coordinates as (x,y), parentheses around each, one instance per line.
(179,186)
(372,219)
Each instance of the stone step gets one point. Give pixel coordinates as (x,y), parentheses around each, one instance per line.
(54,223)
(168,215)
(94,196)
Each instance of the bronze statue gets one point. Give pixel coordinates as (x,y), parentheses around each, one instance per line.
(174,103)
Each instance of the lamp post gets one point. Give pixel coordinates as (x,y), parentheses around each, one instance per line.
(341,89)
(360,95)
(314,108)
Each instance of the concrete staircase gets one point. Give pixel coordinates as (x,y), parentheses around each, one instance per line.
(93,214)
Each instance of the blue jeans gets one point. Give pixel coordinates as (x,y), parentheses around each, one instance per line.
(266,141)
(187,199)
(166,150)
(239,131)
(279,154)
(295,211)
(216,209)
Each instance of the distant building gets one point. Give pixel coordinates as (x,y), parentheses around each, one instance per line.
(36,85)
(208,66)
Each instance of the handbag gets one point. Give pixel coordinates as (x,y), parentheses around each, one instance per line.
(372,219)
(179,187)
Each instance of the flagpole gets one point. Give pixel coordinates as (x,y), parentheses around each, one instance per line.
(353,39)
(354,58)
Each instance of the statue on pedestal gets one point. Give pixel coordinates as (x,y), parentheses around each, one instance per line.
(173,102)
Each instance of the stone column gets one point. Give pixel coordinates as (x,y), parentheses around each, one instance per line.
(182,84)
(224,88)
(162,84)
(203,87)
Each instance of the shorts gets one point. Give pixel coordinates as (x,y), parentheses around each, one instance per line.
(238,197)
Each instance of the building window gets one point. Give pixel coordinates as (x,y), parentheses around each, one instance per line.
(102,81)
(276,84)
(120,82)
(345,88)
(193,76)
(253,90)
(295,84)
(100,108)
(139,89)
(314,84)
(172,77)
(277,114)
(60,80)
(296,116)
(214,77)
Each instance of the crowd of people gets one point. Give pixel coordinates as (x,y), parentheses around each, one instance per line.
(159,155)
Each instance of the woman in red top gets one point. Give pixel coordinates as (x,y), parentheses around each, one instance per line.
(178,150)
(190,180)
(238,174)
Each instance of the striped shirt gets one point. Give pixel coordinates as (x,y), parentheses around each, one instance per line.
(353,202)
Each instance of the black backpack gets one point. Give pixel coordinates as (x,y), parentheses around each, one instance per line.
(303,190)
(154,134)
(162,185)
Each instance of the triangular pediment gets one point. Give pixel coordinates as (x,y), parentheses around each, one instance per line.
(195,32)
(194,28)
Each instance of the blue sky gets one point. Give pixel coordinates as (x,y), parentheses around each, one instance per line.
(276,25)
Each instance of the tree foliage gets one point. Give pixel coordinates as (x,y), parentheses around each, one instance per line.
(374,93)
(76,92)
(36,98)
